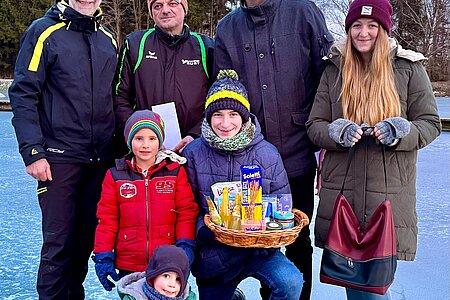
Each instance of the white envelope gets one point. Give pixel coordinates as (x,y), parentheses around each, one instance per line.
(168,113)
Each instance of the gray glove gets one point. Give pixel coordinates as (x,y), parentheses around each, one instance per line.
(342,131)
(392,129)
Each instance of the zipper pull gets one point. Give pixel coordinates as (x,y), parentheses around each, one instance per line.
(349,262)
(273,47)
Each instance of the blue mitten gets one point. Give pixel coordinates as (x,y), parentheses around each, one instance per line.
(342,131)
(188,246)
(392,129)
(104,266)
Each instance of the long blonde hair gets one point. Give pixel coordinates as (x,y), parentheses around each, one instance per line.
(368,92)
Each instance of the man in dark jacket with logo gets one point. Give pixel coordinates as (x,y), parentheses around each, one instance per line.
(276,47)
(63,117)
(167,63)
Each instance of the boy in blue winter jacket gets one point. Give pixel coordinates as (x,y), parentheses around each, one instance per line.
(231,137)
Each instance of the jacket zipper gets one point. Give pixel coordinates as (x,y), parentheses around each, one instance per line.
(147,221)
(88,36)
(351,260)
(229,167)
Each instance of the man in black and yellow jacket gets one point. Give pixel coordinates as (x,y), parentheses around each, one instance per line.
(63,117)
(167,63)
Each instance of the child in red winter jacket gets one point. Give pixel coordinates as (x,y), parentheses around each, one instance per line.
(146,202)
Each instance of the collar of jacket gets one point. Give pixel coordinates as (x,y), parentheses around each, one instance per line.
(164,158)
(267,8)
(172,39)
(73,19)
(336,52)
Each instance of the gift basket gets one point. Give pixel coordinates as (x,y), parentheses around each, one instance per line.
(259,239)
(241,216)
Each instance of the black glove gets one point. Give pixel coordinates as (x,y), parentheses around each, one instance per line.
(343,132)
(104,266)
(391,129)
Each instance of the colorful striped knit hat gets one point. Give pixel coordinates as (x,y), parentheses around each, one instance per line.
(144,119)
(227,93)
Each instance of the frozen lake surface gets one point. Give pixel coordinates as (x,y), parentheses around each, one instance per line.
(426,278)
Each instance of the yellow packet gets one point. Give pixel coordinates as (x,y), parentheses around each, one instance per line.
(215,217)
(236,214)
(257,212)
(225,208)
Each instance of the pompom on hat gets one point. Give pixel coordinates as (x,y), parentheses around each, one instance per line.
(183,3)
(227,92)
(144,119)
(169,258)
(379,10)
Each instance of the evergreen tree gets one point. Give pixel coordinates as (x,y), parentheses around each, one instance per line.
(15,17)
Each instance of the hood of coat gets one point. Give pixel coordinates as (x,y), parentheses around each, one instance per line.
(133,285)
(258,138)
(336,52)
(61,11)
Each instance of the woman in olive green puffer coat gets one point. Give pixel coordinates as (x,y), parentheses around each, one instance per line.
(365,188)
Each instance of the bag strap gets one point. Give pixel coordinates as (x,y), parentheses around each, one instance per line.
(351,153)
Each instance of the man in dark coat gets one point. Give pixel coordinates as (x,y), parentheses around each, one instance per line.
(64,121)
(276,47)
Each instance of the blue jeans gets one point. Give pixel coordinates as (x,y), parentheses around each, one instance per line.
(276,271)
(361,295)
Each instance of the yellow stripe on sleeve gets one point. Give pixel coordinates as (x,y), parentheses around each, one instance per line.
(113,40)
(37,53)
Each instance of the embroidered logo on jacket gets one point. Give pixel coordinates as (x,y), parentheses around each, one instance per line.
(165,186)
(128,190)
(34,151)
(55,150)
(151,55)
(190,62)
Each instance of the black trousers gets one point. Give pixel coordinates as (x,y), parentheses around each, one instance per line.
(300,252)
(68,205)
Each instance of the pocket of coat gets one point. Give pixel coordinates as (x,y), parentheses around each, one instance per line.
(299,118)
(128,241)
(128,236)
(167,233)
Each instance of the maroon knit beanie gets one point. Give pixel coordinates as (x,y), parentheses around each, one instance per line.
(379,10)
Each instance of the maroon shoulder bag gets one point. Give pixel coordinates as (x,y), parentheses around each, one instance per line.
(361,259)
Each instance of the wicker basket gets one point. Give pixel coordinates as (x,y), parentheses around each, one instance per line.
(259,239)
